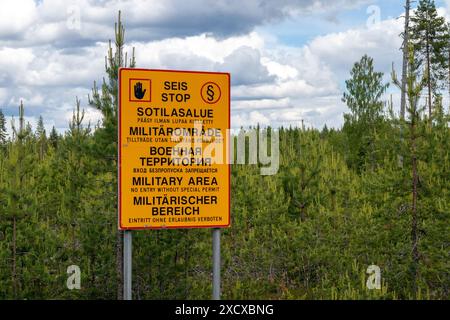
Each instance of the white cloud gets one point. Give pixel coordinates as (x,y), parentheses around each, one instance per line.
(28,22)
(47,64)
(16,17)
(252,118)
(282,71)
(201,46)
(261,104)
(245,65)
(310,79)
(381,41)
(14,64)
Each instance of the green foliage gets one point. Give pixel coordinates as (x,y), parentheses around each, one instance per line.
(308,232)
(365,89)
(340,202)
(429,35)
(430,38)
(53,138)
(364,92)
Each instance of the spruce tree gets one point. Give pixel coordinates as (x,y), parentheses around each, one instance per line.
(53,138)
(40,129)
(41,137)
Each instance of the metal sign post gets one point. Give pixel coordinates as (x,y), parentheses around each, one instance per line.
(216,263)
(127,265)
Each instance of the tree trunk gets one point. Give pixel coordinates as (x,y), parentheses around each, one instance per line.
(429,77)
(14,258)
(414,233)
(405,61)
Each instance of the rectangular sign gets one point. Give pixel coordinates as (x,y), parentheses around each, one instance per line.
(173,149)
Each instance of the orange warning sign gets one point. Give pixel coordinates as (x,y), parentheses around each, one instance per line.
(173,149)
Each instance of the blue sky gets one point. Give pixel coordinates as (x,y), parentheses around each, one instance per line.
(299,30)
(288,58)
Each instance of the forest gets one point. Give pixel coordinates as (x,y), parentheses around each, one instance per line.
(373,192)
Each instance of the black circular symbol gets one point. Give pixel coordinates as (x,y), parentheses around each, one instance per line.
(210,92)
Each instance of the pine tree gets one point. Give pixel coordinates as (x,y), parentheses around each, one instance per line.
(430,38)
(414,90)
(105,138)
(19,198)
